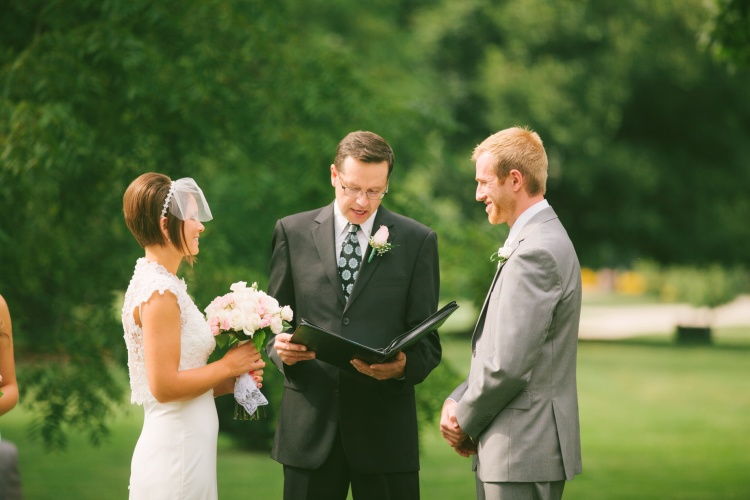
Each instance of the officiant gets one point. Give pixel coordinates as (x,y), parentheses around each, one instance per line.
(357,426)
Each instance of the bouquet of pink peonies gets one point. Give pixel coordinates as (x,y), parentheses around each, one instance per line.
(245,314)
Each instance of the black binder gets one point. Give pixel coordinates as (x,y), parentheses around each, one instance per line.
(339,351)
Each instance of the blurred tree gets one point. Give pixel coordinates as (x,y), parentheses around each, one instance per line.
(644,132)
(729,34)
(248,99)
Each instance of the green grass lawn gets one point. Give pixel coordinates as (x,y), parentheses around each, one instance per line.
(659,421)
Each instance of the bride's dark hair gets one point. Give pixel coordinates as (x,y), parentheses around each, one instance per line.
(142,206)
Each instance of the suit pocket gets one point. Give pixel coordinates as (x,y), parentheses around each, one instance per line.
(522,401)
(295,377)
(388,281)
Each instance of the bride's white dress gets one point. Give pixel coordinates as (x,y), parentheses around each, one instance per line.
(175,456)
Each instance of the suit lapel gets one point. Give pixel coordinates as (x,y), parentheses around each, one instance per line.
(544,216)
(480,322)
(325,243)
(367,269)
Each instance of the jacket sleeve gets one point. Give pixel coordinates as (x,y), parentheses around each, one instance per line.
(424,290)
(281,284)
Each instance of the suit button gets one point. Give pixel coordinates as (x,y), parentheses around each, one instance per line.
(474,353)
(346,321)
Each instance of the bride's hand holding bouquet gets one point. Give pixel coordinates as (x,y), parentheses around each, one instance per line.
(236,359)
(246,314)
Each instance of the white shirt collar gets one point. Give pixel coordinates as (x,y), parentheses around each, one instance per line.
(340,222)
(523,219)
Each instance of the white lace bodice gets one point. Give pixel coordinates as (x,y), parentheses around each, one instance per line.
(196,341)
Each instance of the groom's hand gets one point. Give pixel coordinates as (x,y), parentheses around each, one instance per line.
(382,371)
(449,427)
(467,448)
(291,353)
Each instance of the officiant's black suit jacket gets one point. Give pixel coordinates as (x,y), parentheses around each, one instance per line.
(393,293)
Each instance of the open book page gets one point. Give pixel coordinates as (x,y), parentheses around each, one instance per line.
(435,321)
(339,351)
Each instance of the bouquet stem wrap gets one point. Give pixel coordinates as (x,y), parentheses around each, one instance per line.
(248,398)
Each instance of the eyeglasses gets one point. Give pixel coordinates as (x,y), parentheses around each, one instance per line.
(356,193)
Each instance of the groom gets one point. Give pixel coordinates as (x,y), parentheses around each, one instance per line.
(517,411)
(339,427)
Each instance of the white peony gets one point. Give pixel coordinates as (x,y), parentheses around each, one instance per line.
(276,324)
(253,322)
(236,319)
(287,314)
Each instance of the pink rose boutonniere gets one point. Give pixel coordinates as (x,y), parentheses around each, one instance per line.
(379,243)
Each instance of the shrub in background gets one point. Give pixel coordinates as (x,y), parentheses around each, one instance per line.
(704,288)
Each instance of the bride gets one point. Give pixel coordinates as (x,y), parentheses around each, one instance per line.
(169,342)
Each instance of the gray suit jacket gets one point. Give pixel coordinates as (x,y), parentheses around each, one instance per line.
(520,402)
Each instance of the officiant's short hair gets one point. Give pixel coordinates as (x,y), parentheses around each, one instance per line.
(364,146)
(142,205)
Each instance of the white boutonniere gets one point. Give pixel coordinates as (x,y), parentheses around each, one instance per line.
(501,255)
(379,243)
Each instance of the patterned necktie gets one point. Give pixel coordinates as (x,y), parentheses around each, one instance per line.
(349,260)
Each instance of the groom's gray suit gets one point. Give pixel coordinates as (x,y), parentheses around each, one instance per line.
(519,403)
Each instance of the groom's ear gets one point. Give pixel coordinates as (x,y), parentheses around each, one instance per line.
(516,179)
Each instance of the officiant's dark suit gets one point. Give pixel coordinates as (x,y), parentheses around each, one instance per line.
(338,426)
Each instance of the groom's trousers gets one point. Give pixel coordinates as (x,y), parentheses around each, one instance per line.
(520,491)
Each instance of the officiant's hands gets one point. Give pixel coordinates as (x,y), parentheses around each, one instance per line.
(452,432)
(383,371)
(289,352)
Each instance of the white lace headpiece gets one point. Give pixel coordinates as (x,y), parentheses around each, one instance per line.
(185,200)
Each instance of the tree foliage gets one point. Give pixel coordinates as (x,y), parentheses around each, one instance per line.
(645,133)
(730,32)
(244,98)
